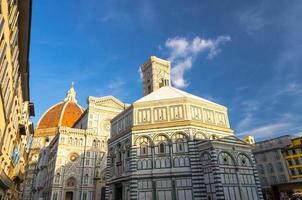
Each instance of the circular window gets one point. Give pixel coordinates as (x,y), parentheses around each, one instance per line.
(106,125)
(73,157)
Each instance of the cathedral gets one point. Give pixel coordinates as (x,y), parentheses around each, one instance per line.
(69,150)
(167,145)
(172,145)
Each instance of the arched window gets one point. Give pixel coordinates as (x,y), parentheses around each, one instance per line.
(144,145)
(86,179)
(225,159)
(70,141)
(76,141)
(179,143)
(57,178)
(161,142)
(81,142)
(120,156)
(112,160)
(243,160)
(176,162)
(161,148)
(127,147)
(144,149)
(94,143)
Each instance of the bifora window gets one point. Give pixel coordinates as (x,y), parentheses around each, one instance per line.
(144,144)
(144,149)
(180,145)
(161,147)
(57,178)
(86,179)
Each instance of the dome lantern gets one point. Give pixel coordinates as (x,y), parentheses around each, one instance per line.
(71,94)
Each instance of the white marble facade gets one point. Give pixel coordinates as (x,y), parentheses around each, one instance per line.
(72,166)
(172,145)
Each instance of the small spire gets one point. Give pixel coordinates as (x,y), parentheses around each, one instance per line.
(71,94)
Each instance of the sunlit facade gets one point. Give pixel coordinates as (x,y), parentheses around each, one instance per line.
(69,151)
(174,145)
(16,129)
(293,157)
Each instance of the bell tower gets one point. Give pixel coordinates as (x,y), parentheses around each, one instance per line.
(156,74)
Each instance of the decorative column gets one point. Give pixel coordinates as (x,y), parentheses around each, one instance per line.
(154,195)
(217,175)
(153,156)
(198,189)
(171,154)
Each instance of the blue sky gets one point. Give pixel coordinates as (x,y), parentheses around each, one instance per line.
(246,55)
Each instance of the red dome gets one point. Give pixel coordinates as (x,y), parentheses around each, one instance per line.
(61,114)
(65,113)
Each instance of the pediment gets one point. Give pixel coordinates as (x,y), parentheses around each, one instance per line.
(232,139)
(107,101)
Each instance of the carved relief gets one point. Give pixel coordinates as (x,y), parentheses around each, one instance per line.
(176,112)
(196,112)
(144,116)
(209,116)
(160,114)
(221,120)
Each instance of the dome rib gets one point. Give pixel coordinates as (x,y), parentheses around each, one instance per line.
(61,114)
(64,113)
(45,121)
(70,115)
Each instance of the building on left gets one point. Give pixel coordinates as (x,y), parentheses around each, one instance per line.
(16,129)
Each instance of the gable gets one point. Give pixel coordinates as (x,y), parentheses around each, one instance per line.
(232,140)
(107,101)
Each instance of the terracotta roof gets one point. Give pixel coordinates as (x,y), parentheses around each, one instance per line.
(71,114)
(65,113)
(62,114)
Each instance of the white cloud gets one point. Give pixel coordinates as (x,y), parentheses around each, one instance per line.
(267,130)
(298,134)
(183,51)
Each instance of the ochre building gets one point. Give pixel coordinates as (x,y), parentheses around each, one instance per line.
(16,129)
(293,156)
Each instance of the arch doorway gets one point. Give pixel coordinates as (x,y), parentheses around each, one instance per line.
(69,196)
